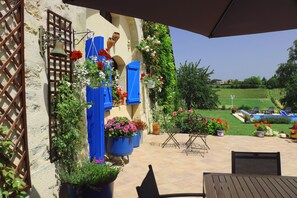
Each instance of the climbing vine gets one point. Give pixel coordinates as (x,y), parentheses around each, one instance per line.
(162,65)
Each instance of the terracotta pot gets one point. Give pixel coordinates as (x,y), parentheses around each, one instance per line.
(110,43)
(115,36)
(156,128)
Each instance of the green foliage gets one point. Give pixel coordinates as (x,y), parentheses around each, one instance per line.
(11,184)
(251,82)
(245,107)
(69,114)
(279,120)
(287,77)
(90,174)
(188,121)
(272,83)
(162,64)
(193,85)
(216,124)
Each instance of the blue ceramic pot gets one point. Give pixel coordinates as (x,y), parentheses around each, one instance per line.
(119,146)
(136,139)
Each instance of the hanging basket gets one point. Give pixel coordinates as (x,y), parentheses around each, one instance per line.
(150,84)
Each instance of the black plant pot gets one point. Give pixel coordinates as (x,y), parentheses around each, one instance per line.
(72,191)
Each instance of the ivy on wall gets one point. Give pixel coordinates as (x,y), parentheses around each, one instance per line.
(164,65)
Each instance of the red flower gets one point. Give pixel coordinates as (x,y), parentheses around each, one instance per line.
(119,91)
(256,124)
(100,65)
(150,74)
(75,55)
(161,79)
(104,53)
(295,125)
(143,74)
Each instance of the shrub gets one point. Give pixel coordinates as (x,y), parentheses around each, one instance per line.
(90,174)
(278,120)
(245,107)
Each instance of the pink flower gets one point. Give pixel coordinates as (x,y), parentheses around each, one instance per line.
(190,111)
(180,109)
(99,160)
(174,113)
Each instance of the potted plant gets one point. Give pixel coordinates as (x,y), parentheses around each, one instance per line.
(217,126)
(262,128)
(157,115)
(140,125)
(293,131)
(11,184)
(152,80)
(89,179)
(93,73)
(233,109)
(119,132)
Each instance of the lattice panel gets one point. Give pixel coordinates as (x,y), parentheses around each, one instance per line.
(57,67)
(12,84)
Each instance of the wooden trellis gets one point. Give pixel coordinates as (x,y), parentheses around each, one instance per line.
(57,26)
(12,84)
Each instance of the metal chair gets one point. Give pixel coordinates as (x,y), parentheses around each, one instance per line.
(171,132)
(198,123)
(149,188)
(256,163)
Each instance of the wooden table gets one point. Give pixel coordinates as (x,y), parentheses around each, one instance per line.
(219,185)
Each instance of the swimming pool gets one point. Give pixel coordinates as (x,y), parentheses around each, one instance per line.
(258,116)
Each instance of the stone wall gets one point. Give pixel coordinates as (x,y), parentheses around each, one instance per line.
(44,183)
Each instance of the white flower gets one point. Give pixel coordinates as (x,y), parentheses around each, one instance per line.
(147,47)
(158,42)
(148,38)
(147,50)
(101,74)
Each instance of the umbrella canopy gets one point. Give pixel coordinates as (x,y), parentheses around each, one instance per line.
(211,18)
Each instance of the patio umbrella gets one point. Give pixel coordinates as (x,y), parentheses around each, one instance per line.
(211,18)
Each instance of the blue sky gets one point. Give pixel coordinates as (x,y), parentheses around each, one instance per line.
(236,57)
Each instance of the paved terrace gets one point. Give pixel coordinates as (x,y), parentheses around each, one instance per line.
(177,172)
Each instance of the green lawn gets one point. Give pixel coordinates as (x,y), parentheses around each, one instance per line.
(236,126)
(263,103)
(249,97)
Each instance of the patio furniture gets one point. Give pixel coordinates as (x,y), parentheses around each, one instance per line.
(199,132)
(223,185)
(149,188)
(256,163)
(288,110)
(171,132)
(255,110)
(270,110)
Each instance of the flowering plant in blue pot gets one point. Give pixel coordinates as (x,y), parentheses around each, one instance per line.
(120,127)
(119,132)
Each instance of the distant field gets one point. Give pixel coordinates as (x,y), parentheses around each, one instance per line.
(250,97)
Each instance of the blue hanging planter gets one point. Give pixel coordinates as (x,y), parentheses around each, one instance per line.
(136,139)
(119,146)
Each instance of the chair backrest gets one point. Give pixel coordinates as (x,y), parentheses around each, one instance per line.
(148,188)
(256,163)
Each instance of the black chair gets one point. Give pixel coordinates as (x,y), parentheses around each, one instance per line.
(149,188)
(288,110)
(256,163)
(255,110)
(270,110)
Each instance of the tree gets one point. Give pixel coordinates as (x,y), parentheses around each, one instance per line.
(251,82)
(193,84)
(272,83)
(287,78)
